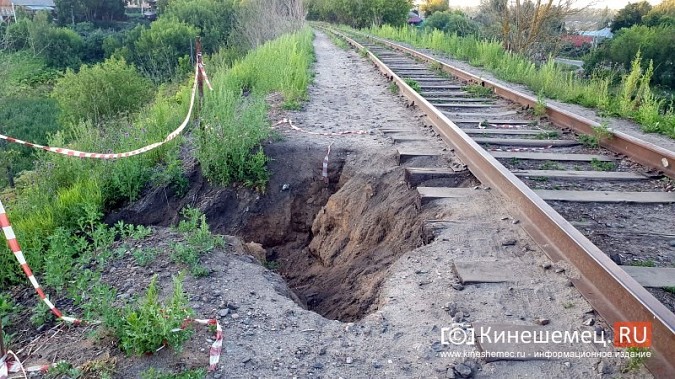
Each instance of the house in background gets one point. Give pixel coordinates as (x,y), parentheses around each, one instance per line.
(8,7)
(598,35)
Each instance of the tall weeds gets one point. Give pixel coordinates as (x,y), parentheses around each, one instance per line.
(632,98)
(235,114)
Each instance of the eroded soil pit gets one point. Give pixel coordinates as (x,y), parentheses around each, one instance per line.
(332,242)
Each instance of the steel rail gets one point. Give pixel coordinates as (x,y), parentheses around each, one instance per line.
(614,294)
(643,152)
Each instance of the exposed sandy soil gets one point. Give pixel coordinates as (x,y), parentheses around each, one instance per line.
(362,290)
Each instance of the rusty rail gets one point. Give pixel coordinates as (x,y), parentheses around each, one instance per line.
(638,150)
(614,294)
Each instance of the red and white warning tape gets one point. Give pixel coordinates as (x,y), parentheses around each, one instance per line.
(290,123)
(82,154)
(5,366)
(324,171)
(216,347)
(18,254)
(14,366)
(206,77)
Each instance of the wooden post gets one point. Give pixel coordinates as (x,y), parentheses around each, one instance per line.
(200,76)
(2,341)
(200,80)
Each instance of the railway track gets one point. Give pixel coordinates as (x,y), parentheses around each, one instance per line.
(554,166)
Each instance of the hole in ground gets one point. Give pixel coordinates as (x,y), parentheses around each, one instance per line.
(333,244)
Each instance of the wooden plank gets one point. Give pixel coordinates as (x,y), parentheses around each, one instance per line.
(432,193)
(550,156)
(485,272)
(485,116)
(510,132)
(409,138)
(446,86)
(434,171)
(416,152)
(494,121)
(432,94)
(460,99)
(656,277)
(462,105)
(585,175)
(527,142)
(607,196)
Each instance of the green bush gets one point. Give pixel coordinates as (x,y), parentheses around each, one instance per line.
(452,22)
(158,49)
(214,18)
(655,44)
(360,13)
(101,91)
(149,324)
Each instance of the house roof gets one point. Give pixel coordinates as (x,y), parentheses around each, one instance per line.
(34,3)
(606,33)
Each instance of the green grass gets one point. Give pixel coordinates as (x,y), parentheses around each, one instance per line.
(602,166)
(550,165)
(393,88)
(478,90)
(61,190)
(643,263)
(413,84)
(632,98)
(235,114)
(547,135)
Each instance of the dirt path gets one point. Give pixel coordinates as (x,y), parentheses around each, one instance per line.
(397,335)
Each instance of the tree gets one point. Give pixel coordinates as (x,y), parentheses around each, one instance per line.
(630,15)
(662,14)
(159,50)
(655,44)
(453,23)
(526,27)
(361,13)
(432,6)
(101,91)
(215,19)
(74,11)
(259,21)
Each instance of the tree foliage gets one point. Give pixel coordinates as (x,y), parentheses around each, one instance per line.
(161,51)
(214,18)
(630,15)
(524,26)
(101,91)
(655,44)
(453,23)
(432,6)
(662,14)
(74,11)
(360,13)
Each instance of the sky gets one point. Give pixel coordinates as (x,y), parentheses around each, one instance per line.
(616,4)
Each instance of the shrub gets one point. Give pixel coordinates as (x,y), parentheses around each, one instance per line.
(101,91)
(213,17)
(452,23)
(158,49)
(147,325)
